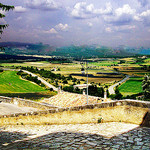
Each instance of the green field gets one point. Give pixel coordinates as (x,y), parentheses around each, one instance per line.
(11,83)
(132,86)
(104,63)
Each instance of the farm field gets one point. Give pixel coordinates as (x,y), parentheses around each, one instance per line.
(131,86)
(104,63)
(104,68)
(71,68)
(12,85)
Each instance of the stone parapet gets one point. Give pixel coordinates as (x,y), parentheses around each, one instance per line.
(129,111)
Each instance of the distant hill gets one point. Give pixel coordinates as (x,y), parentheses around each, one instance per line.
(85,51)
(90,51)
(15,48)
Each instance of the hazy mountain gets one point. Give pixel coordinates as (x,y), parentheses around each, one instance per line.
(84,51)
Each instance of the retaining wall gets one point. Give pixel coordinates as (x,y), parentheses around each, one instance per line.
(129,111)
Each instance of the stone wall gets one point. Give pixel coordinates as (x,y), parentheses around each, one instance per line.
(129,111)
(26,103)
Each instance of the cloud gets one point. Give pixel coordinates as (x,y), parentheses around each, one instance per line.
(62,27)
(143,17)
(108,29)
(20,9)
(106,11)
(82,10)
(126,9)
(144,2)
(121,16)
(125,28)
(89,24)
(145,13)
(51,31)
(47,5)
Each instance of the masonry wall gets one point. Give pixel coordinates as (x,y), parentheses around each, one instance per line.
(129,111)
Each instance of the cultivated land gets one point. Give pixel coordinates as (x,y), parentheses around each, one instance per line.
(113,135)
(12,85)
(100,71)
(132,86)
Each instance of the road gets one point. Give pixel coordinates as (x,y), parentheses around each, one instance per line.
(111,88)
(42,80)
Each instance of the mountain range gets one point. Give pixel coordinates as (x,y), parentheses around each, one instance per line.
(85,51)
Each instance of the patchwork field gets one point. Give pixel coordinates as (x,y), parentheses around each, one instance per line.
(100,70)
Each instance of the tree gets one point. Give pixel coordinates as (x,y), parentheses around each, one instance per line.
(3,26)
(4,8)
(146,86)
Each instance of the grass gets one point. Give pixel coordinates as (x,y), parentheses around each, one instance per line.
(131,86)
(11,83)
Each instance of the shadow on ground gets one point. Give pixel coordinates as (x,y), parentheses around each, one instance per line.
(134,139)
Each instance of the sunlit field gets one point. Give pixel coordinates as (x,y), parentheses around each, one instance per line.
(12,85)
(132,86)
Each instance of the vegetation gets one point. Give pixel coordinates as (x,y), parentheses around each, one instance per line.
(117,94)
(30,78)
(93,90)
(3,26)
(11,83)
(146,87)
(4,8)
(132,86)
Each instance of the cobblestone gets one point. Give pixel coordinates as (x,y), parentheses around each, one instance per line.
(73,137)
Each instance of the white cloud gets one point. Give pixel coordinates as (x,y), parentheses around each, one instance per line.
(125,28)
(105,11)
(89,24)
(121,16)
(51,31)
(143,17)
(43,4)
(126,9)
(83,10)
(62,27)
(145,13)
(20,9)
(108,29)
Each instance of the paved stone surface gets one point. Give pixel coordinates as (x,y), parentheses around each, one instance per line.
(80,136)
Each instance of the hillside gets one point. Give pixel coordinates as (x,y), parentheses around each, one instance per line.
(83,51)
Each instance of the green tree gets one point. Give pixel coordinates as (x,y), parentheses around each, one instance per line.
(3,26)
(4,8)
(146,86)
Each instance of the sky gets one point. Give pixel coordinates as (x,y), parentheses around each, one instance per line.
(73,22)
